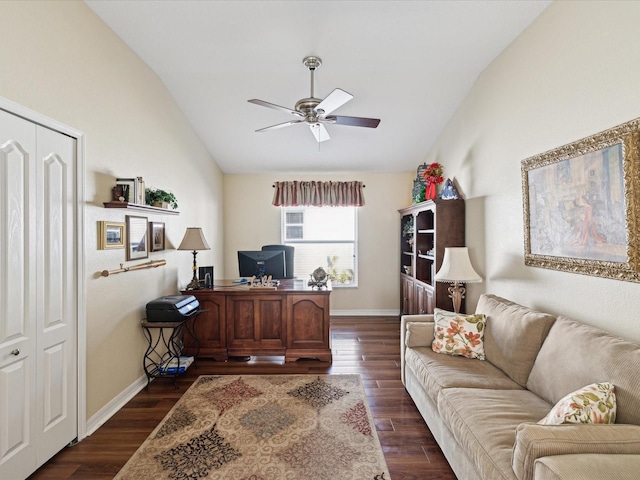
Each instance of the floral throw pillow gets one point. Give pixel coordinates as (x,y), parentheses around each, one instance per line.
(459,334)
(595,403)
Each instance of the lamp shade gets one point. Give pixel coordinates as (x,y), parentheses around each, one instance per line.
(194,240)
(456,267)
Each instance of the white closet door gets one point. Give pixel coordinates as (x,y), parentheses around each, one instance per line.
(56,392)
(18,356)
(38,346)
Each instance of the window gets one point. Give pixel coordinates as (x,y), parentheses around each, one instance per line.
(323,237)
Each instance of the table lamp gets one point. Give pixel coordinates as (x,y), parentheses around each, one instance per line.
(456,268)
(194,240)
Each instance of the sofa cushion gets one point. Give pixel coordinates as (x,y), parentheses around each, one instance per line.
(437,371)
(587,467)
(575,355)
(459,334)
(513,335)
(595,403)
(484,423)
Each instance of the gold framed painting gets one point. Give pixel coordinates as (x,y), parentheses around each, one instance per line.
(581,205)
(110,235)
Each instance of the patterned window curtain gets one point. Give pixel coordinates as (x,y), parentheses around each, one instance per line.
(318,194)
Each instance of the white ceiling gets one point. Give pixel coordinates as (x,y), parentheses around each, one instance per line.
(409,63)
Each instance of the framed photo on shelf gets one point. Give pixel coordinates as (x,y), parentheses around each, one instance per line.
(156,236)
(110,235)
(580,212)
(137,237)
(128,189)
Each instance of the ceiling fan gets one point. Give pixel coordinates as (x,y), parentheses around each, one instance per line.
(315,112)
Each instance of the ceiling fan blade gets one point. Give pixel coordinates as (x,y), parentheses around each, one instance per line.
(319,132)
(334,100)
(275,107)
(353,121)
(280,125)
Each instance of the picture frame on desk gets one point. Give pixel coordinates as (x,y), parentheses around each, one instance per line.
(137,237)
(202,274)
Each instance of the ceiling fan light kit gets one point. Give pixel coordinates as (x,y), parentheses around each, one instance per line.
(315,112)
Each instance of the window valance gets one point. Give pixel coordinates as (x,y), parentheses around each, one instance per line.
(318,194)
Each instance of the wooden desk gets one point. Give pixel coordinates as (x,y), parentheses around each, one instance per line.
(292,321)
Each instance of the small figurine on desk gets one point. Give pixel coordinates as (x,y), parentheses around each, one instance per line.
(264,282)
(318,278)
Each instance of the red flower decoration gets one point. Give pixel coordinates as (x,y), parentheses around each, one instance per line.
(433,173)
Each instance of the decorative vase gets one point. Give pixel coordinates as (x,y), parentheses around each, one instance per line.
(431,191)
(410,242)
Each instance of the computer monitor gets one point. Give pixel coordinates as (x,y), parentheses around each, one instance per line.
(288,257)
(260,263)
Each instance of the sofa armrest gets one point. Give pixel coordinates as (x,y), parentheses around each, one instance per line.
(409,323)
(618,466)
(534,441)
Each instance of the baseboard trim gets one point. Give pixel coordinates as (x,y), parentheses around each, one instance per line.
(365,313)
(111,408)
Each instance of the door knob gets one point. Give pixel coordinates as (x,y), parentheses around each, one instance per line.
(15,352)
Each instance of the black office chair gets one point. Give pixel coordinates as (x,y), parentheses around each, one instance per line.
(289,252)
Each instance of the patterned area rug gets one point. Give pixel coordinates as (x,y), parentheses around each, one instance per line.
(264,427)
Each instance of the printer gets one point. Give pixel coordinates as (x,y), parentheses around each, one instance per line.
(172,308)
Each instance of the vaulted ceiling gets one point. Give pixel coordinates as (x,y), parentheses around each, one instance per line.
(408,63)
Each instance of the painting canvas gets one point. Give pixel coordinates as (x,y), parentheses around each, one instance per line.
(579,205)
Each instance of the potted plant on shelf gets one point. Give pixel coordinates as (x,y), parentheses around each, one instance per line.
(407,232)
(160,198)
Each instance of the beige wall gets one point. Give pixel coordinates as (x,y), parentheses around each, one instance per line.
(574,72)
(571,74)
(60,60)
(251,221)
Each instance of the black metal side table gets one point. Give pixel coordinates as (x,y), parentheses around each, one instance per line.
(166,346)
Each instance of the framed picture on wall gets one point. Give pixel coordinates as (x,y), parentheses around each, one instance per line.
(580,207)
(156,236)
(110,235)
(137,237)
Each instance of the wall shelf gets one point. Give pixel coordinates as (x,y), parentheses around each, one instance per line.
(141,208)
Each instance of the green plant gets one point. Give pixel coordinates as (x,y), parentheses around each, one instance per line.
(155,195)
(346,276)
(407,229)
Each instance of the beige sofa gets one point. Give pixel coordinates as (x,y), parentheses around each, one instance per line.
(484,414)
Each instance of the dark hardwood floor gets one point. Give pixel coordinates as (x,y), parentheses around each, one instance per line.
(369,346)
